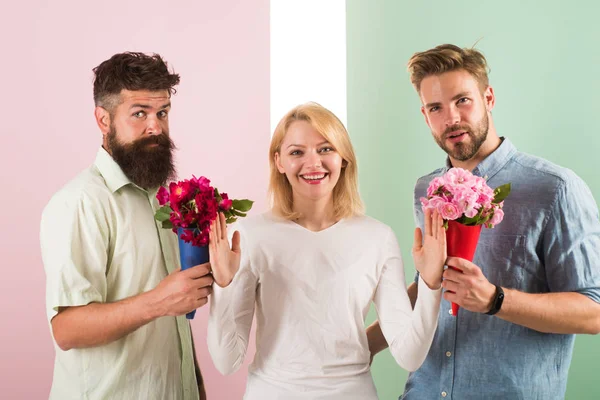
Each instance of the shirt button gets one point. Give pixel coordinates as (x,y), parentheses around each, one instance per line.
(444,394)
(450,311)
(448,354)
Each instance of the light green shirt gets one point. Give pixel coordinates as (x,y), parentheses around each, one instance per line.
(100,243)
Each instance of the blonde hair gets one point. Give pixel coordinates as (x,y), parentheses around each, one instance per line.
(346,199)
(446,58)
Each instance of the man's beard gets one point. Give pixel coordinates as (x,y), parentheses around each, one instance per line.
(462,151)
(145,165)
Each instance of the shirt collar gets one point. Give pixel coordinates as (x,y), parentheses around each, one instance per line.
(111,172)
(493,163)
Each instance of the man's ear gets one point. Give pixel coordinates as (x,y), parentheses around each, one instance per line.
(102,119)
(490,98)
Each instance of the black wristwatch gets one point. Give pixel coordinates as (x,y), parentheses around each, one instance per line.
(497,302)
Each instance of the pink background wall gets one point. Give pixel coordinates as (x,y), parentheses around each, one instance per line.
(220,122)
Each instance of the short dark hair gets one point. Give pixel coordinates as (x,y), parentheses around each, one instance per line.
(446,58)
(131,71)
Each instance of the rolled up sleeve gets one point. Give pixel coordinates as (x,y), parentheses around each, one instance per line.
(572,241)
(74,237)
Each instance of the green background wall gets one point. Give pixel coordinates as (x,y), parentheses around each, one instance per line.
(545,61)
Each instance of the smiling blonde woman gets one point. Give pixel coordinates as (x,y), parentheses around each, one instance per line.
(310,268)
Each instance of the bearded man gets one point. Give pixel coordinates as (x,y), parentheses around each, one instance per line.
(115,298)
(535,279)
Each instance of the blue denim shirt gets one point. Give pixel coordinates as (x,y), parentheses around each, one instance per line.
(549,241)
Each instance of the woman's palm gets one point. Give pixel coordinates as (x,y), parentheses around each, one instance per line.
(224,261)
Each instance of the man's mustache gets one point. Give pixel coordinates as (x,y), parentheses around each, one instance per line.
(162,140)
(455,128)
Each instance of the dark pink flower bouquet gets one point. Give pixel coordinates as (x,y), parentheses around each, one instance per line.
(192,204)
(188,208)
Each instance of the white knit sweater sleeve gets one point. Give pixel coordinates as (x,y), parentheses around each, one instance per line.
(408,332)
(230,317)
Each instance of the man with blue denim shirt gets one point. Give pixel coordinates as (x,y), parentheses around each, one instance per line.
(537,273)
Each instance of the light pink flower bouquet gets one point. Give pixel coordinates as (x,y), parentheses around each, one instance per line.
(460,196)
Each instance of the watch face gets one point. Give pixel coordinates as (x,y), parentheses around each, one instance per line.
(498,299)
